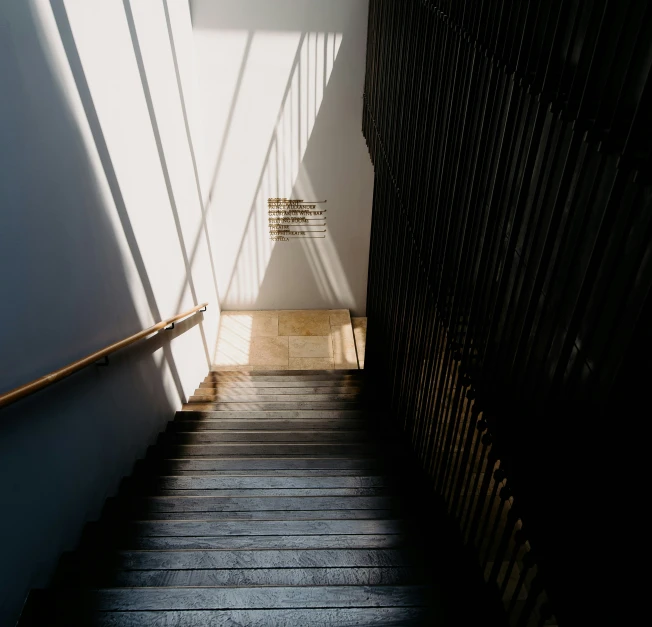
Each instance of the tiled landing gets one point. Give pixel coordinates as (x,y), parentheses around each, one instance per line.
(286,340)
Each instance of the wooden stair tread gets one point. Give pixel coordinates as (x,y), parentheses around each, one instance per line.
(260,597)
(283,383)
(265,436)
(261,527)
(191,413)
(312,388)
(324,576)
(318,514)
(260,542)
(207,397)
(264,482)
(258,405)
(266,424)
(268,558)
(317,617)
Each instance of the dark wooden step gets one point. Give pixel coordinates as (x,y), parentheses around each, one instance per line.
(292,492)
(266,424)
(318,617)
(296,375)
(259,542)
(260,482)
(208,397)
(257,464)
(192,414)
(220,559)
(228,390)
(200,405)
(216,534)
(353,576)
(180,528)
(259,450)
(251,486)
(226,504)
(115,512)
(267,436)
(220,598)
(284,383)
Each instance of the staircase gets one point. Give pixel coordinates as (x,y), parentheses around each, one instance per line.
(263,503)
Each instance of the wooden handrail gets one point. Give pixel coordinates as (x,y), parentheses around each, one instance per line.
(62,373)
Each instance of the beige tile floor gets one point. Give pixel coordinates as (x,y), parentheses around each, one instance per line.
(286,340)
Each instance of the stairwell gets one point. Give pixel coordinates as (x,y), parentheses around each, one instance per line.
(265,502)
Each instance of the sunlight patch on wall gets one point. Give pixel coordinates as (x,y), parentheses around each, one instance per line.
(287,139)
(61,71)
(141,159)
(234,340)
(324,260)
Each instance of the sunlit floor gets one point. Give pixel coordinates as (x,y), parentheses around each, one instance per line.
(289,340)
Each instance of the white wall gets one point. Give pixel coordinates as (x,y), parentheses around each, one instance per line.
(280,85)
(102,233)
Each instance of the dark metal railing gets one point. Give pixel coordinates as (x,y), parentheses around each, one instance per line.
(510,272)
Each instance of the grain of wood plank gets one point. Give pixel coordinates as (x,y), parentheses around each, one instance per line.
(266,436)
(260,449)
(226,390)
(318,514)
(262,482)
(192,414)
(262,527)
(353,576)
(272,398)
(257,405)
(260,542)
(259,597)
(265,492)
(266,424)
(272,463)
(333,617)
(285,384)
(153,504)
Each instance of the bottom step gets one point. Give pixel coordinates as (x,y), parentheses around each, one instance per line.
(264,597)
(318,617)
